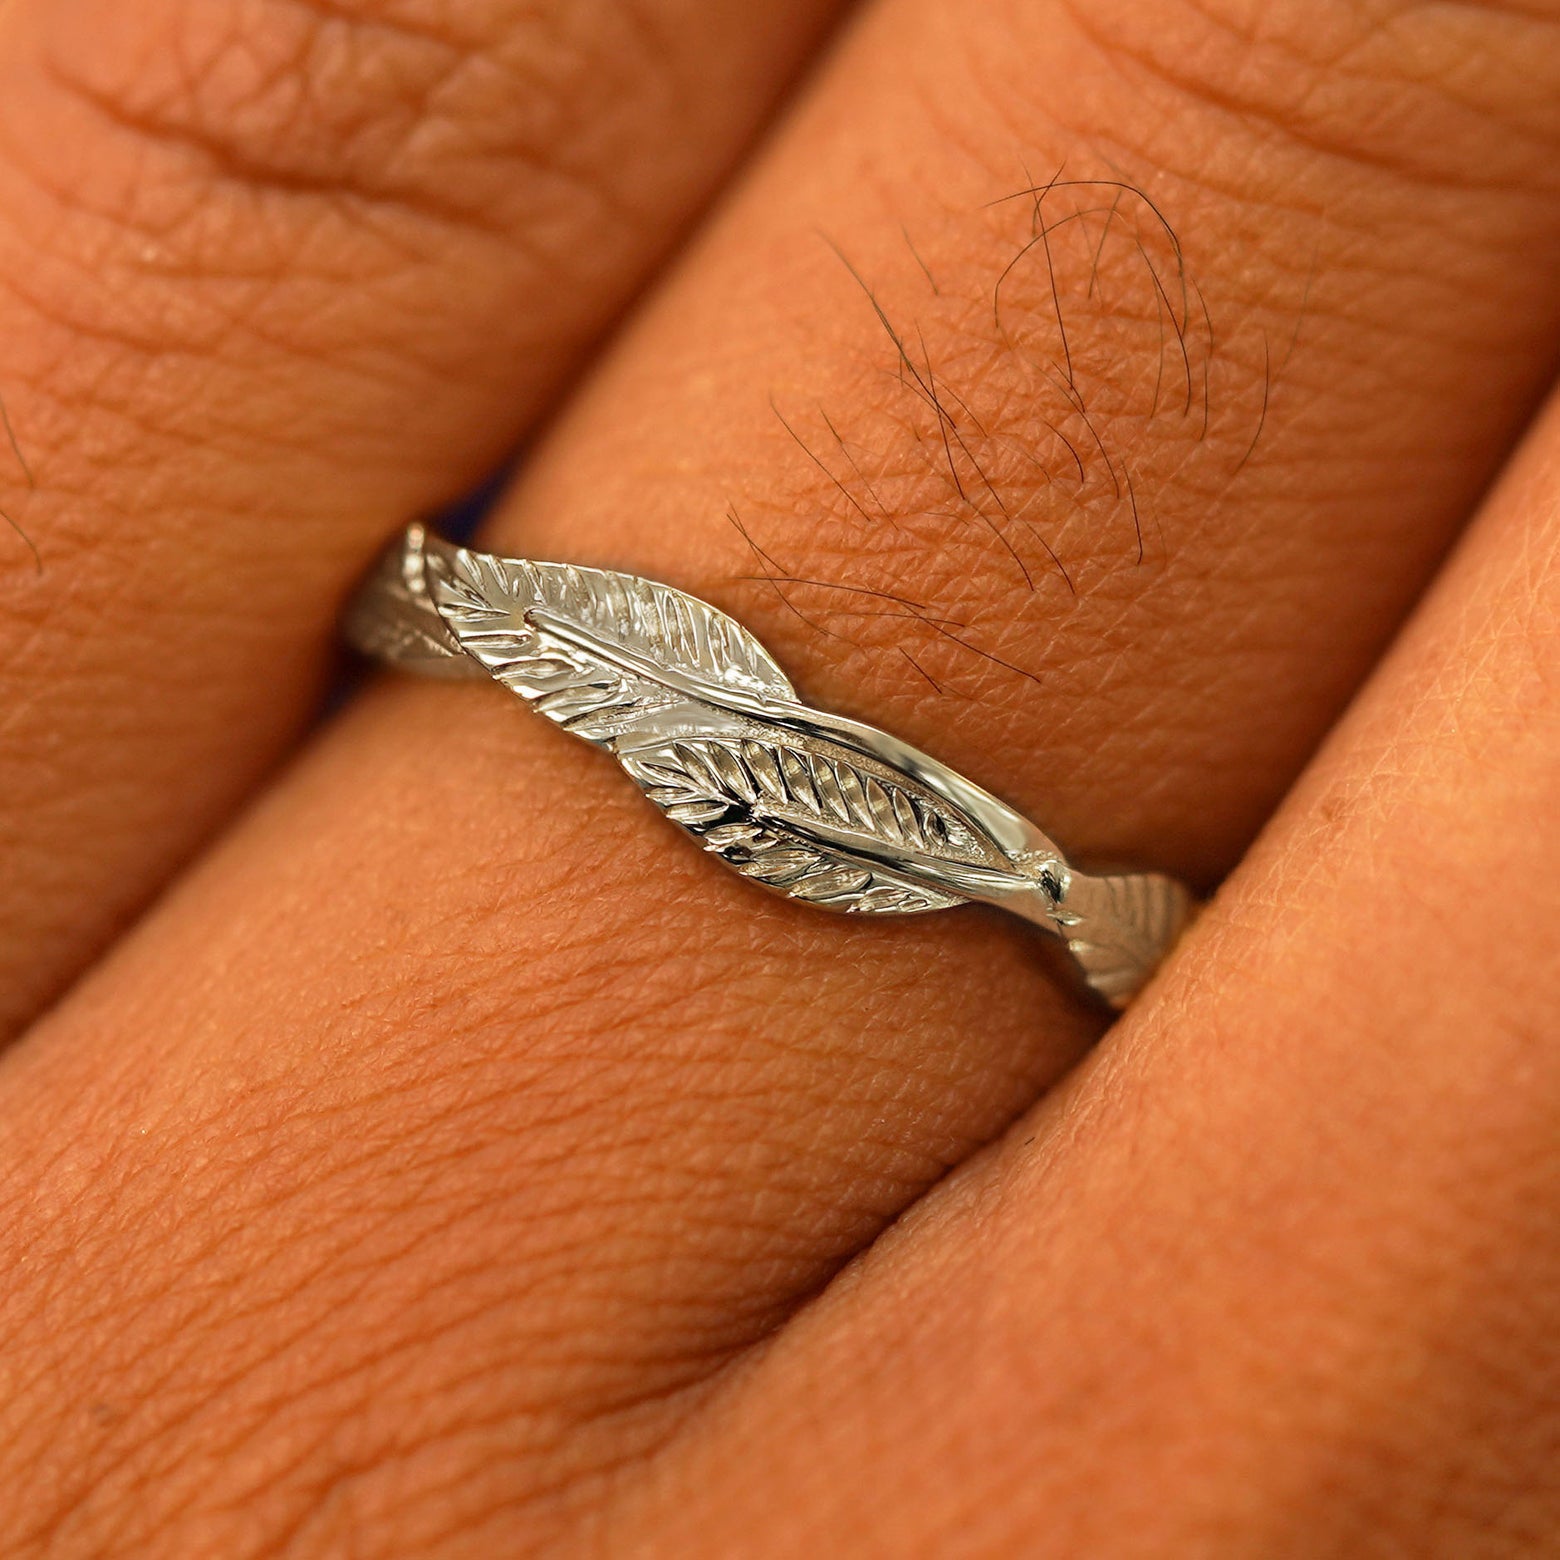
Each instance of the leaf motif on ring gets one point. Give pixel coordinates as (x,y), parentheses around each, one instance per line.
(692,706)
(759,805)
(824,808)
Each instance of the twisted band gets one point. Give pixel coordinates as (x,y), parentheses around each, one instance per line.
(813,806)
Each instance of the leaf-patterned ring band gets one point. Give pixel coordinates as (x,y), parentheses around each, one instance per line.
(813,806)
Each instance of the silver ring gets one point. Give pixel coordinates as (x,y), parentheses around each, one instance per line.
(813,806)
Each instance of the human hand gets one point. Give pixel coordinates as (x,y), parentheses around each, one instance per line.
(455,1162)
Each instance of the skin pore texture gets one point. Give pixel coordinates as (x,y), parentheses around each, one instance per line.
(1319,1277)
(454,1162)
(278,274)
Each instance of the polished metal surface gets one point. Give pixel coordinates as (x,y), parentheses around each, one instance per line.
(816,807)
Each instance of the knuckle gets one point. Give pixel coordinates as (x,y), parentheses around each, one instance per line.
(201,196)
(298,96)
(277,95)
(185,154)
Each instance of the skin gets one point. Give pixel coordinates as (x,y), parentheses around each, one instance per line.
(454,1162)
(286,271)
(1315,1189)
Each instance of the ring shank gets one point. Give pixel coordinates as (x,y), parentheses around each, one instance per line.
(1117,927)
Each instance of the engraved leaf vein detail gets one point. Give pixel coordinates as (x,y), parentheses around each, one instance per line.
(745,798)
(676,690)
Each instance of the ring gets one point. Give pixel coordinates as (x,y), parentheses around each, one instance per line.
(819,808)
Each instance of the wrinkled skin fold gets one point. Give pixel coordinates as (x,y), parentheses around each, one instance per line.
(409,1146)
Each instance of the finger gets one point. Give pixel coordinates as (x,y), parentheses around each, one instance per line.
(1279,1273)
(629,1115)
(278,276)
